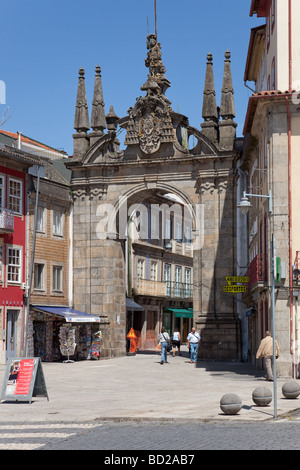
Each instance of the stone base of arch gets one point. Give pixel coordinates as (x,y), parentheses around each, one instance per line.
(220,337)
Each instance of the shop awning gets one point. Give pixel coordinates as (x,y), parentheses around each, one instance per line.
(69,314)
(131,305)
(181,312)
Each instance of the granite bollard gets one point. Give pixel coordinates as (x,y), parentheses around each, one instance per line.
(230,403)
(291,389)
(262,396)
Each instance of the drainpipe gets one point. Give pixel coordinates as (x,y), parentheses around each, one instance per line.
(290,233)
(290,193)
(32,258)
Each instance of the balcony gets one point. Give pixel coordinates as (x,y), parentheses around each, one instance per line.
(162,289)
(257,272)
(178,289)
(153,288)
(6,221)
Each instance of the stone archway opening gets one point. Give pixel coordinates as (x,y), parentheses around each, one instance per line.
(156,229)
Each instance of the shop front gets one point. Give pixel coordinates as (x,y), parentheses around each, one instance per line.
(180,318)
(58,333)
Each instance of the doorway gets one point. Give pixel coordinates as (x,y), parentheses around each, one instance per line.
(11,334)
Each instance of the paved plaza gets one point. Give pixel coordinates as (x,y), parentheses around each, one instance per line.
(140,388)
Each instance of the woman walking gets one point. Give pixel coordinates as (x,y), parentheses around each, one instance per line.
(163,338)
(176,342)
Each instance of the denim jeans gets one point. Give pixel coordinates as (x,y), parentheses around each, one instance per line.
(163,352)
(194,349)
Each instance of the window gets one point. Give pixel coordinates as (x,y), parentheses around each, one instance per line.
(14,265)
(188,235)
(40,226)
(57,278)
(187,282)
(2,191)
(169,229)
(57,223)
(38,276)
(178,274)
(167,278)
(153,271)
(140,269)
(15,195)
(179,232)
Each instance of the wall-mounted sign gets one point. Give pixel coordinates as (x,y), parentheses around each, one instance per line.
(234,289)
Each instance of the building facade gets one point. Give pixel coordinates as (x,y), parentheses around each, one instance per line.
(14,167)
(270,163)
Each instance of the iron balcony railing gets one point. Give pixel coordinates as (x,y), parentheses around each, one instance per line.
(257,271)
(6,221)
(178,289)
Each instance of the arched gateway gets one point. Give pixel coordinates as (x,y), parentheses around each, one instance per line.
(156,161)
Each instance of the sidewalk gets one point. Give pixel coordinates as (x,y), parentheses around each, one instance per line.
(139,387)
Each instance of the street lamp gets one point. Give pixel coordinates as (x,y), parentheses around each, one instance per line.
(245,205)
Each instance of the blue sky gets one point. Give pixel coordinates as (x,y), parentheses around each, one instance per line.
(44,43)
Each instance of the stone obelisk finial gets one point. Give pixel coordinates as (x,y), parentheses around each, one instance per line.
(98,121)
(209,107)
(81,121)
(227,110)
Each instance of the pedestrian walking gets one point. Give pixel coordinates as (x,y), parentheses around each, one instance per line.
(265,351)
(176,342)
(164,340)
(193,340)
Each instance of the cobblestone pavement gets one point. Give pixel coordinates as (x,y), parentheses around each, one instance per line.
(163,436)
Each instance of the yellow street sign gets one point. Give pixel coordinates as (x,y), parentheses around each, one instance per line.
(231,279)
(234,289)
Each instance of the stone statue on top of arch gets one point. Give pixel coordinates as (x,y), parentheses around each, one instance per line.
(153,60)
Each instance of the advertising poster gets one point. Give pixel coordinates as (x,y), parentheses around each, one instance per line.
(23,379)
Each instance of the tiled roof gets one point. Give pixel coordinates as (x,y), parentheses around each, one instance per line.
(253,101)
(28,140)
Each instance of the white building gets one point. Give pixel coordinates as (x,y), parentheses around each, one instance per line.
(271,159)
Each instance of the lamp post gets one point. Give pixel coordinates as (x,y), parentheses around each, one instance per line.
(245,205)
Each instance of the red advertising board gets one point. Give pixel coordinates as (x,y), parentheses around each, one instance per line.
(23,379)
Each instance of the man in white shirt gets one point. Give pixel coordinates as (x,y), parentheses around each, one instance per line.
(193,340)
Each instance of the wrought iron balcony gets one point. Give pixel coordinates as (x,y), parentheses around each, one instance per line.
(178,289)
(6,221)
(257,272)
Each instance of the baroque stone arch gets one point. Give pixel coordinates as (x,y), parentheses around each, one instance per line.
(156,160)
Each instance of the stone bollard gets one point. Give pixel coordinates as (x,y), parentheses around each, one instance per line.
(291,389)
(262,396)
(230,404)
